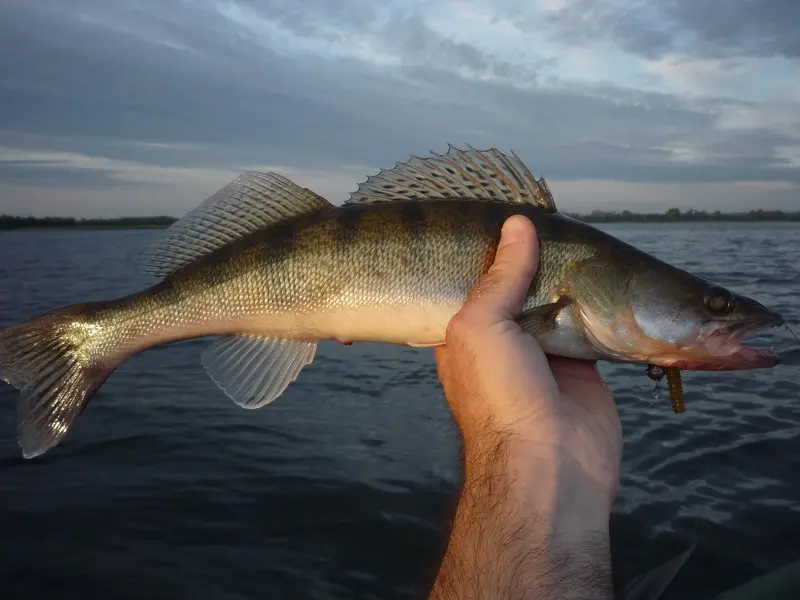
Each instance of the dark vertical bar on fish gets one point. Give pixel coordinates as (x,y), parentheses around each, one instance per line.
(269,269)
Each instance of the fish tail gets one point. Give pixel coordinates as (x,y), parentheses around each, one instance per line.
(56,362)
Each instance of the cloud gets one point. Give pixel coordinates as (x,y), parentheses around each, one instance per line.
(708,29)
(143,100)
(763,28)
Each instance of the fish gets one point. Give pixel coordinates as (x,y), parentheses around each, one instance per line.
(268,269)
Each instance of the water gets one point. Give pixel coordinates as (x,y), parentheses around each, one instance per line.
(342,488)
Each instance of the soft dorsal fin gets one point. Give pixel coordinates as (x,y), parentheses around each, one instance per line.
(249,203)
(475,174)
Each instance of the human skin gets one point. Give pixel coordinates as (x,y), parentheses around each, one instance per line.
(542,445)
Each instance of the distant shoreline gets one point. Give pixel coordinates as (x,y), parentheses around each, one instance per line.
(673,215)
(80,227)
(11,223)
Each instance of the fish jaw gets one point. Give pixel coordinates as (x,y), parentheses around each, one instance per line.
(724,349)
(619,337)
(637,309)
(743,359)
(738,357)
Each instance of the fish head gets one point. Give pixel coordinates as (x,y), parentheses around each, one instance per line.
(693,324)
(647,311)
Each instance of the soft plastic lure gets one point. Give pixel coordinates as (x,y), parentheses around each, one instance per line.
(675,389)
(656,373)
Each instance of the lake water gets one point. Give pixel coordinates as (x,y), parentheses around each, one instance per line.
(342,487)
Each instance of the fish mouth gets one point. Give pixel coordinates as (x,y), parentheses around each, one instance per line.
(724,348)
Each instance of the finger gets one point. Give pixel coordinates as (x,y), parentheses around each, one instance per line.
(579,379)
(501,293)
(572,368)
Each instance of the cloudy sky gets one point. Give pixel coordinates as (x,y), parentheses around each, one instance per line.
(137,107)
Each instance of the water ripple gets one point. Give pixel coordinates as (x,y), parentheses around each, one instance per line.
(347,481)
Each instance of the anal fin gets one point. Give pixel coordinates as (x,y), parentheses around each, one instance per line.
(254,370)
(542,319)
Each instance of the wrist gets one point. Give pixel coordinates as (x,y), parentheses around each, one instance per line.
(524,507)
(581,466)
(542,480)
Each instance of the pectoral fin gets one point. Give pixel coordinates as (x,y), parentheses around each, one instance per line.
(542,319)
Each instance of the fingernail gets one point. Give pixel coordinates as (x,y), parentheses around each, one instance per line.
(513,231)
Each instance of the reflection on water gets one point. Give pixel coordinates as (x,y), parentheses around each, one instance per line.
(341,489)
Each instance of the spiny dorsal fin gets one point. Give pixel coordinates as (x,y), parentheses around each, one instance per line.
(249,203)
(475,174)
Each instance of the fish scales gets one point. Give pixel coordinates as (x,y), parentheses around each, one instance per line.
(361,262)
(269,269)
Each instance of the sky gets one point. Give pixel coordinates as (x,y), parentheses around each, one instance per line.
(147,107)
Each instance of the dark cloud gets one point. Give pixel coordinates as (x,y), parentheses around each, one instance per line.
(48,176)
(307,18)
(762,27)
(101,77)
(628,24)
(420,45)
(703,28)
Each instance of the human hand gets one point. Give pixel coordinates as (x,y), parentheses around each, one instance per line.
(542,448)
(497,378)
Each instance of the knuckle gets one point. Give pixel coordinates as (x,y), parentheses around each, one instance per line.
(459,328)
(465,331)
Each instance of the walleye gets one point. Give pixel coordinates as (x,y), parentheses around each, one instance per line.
(271,269)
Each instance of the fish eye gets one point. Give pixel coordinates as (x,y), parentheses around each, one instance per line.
(719,301)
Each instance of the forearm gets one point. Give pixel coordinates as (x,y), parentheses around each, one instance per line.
(523,529)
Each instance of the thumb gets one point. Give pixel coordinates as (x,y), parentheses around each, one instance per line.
(501,292)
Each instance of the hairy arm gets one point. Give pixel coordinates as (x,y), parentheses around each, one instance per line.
(542,447)
(519,533)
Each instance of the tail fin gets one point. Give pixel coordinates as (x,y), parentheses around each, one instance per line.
(53,360)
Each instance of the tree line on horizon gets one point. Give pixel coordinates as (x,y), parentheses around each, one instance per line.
(596,216)
(675,214)
(15,222)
